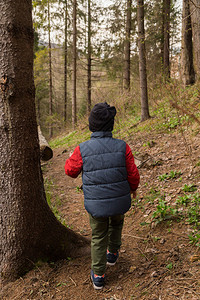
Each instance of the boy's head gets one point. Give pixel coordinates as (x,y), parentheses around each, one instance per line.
(102,117)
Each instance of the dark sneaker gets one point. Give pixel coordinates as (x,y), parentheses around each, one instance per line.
(112,258)
(98,281)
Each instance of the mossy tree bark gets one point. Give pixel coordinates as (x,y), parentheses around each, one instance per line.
(29,230)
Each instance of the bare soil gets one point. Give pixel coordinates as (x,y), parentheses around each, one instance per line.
(156,260)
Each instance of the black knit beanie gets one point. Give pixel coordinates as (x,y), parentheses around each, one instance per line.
(102,117)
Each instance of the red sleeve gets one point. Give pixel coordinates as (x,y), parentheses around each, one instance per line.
(133,176)
(74,164)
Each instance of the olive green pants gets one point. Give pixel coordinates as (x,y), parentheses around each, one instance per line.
(106,234)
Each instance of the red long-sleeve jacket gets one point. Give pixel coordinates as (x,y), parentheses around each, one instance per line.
(74,164)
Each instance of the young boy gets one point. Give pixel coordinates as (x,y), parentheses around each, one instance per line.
(109,177)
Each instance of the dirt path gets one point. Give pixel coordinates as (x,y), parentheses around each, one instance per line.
(155,260)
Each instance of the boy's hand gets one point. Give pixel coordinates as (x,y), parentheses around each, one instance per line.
(134,194)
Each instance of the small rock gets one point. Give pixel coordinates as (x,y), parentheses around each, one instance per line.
(194,258)
(147,213)
(162,241)
(132,269)
(168,199)
(152,250)
(154,274)
(122,250)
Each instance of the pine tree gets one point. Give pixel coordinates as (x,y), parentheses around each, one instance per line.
(89,59)
(187,68)
(142,61)
(166,36)
(127,45)
(74,73)
(195,20)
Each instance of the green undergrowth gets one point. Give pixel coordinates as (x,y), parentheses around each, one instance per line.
(71,139)
(172,108)
(185,209)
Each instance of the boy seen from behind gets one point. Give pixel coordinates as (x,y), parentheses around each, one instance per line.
(109,176)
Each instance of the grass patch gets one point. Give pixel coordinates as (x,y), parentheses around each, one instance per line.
(72,139)
(54,207)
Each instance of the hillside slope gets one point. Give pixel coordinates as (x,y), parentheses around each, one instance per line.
(157,260)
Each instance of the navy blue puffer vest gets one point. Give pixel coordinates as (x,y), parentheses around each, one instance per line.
(105,186)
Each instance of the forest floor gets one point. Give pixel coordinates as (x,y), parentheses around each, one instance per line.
(157,260)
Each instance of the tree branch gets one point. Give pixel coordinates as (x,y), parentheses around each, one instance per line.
(197,6)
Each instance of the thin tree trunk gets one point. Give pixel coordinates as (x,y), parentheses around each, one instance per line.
(166,61)
(74,66)
(195,19)
(65,65)
(187,67)
(50,74)
(89,83)
(142,62)
(29,230)
(162,36)
(127,44)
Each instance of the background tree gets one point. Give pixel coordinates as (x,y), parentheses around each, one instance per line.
(43,20)
(41,72)
(89,64)
(195,19)
(29,230)
(100,58)
(50,70)
(113,43)
(187,68)
(65,59)
(158,22)
(127,46)
(166,36)
(74,73)
(142,62)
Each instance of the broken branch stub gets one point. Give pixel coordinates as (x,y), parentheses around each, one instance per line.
(46,152)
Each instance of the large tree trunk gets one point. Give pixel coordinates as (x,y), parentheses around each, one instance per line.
(127,44)
(187,68)
(142,62)
(28,229)
(195,19)
(74,66)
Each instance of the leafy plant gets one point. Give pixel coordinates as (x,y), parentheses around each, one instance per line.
(171,175)
(163,211)
(189,188)
(163,177)
(184,200)
(195,238)
(152,194)
(169,266)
